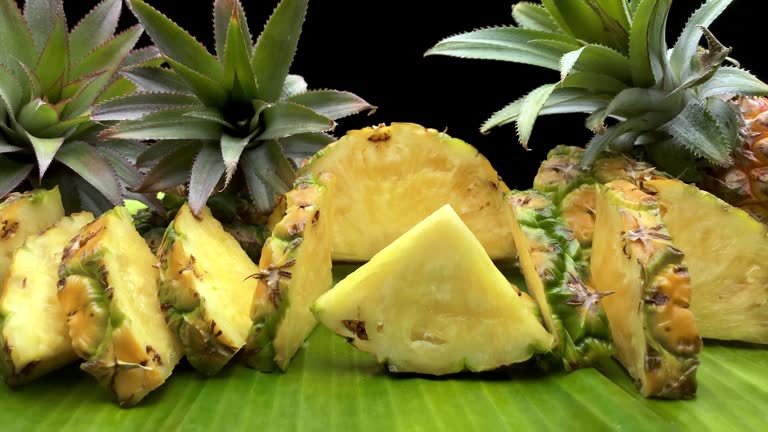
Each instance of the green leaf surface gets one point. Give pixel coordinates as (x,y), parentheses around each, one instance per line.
(149,56)
(157,79)
(53,64)
(237,63)
(10,91)
(43,17)
(208,90)
(15,36)
(298,148)
(45,149)
(171,124)
(530,109)
(174,42)
(95,28)
(276,47)
(89,164)
(285,119)
(138,105)
(223,11)
(293,85)
(171,168)
(732,80)
(231,149)
(109,55)
(12,174)
(603,60)
(268,173)
(333,104)
(332,386)
(510,44)
(206,173)
(639,54)
(589,21)
(698,130)
(688,43)
(533,16)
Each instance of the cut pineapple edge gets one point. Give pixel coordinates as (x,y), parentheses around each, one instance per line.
(433,302)
(34,338)
(295,269)
(724,251)
(108,289)
(403,173)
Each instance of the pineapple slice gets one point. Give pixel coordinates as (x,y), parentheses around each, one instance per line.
(433,302)
(34,337)
(553,267)
(403,173)
(205,289)
(22,215)
(653,330)
(108,290)
(724,250)
(295,270)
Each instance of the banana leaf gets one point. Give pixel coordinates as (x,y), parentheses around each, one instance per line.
(331,386)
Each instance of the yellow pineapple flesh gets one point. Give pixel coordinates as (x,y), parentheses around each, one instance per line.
(23,215)
(34,337)
(404,172)
(108,290)
(724,250)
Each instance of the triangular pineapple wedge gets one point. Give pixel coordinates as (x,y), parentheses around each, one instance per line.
(108,290)
(295,269)
(634,255)
(433,302)
(724,249)
(34,337)
(205,289)
(403,173)
(23,215)
(554,270)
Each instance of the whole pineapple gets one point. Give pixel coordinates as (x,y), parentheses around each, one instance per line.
(50,78)
(670,107)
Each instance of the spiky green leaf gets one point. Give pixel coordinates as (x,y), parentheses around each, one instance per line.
(534,17)
(108,56)
(639,37)
(175,43)
(730,80)
(148,56)
(585,22)
(11,92)
(688,43)
(222,13)
(698,131)
(507,44)
(43,17)
(53,63)
(285,118)
(136,106)
(45,149)
(206,173)
(12,174)
(119,87)
(276,47)
(297,148)
(231,149)
(171,124)
(16,42)
(82,102)
(125,171)
(595,82)
(293,85)
(237,63)
(267,174)
(210,114)
(209,91)
(157,79)
(95,28)
(728,118)
(529,111)
(172,169)
(602,60)
(333,104)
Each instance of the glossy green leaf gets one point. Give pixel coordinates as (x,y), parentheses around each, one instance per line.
(82,102)
(596,82)
(164,125)
(206,173)
(534,17)
(697,130)
(222,13)
(148,56)
(276,47)
(45,149)
(237,63)
(267,174)
(138,105)
(285,118)
(530,109)
(43,17)
(208,90)
(109,55)
(174,42)
(589,23)
(333,104)
(639,37)
(688,43)
(731,80)
(156,79)
(12,174)
(95,28)
(15,36)
(36,116)
(507,44)
(53,64)
(293,85)
(602,60)
(89,164)
(119,87)
(170,169)
(11,92)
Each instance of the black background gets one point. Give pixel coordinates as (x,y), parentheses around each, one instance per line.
(375,49)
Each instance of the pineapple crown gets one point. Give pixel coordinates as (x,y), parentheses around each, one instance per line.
(241,108)
(614,62)
(50,77)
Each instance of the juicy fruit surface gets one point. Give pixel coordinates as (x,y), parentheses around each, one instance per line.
(108,289)
(554,268)
(295,270)
(34,337)
(724,251)
(389,178)
(205,289)
(23,215)
(433,302)
(653,330)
